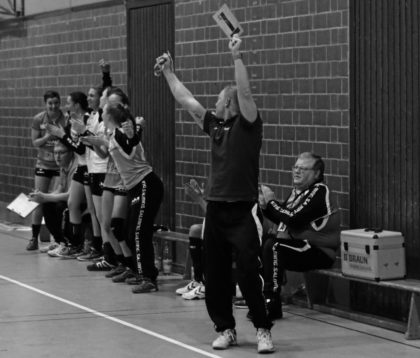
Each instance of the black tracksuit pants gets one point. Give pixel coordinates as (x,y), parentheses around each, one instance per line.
(144,200)
(233,227)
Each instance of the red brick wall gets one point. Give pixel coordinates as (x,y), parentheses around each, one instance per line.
(297,54)
(57,51)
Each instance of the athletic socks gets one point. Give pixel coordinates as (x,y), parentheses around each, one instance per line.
(196,252)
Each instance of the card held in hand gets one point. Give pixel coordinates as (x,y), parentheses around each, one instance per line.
(227,21)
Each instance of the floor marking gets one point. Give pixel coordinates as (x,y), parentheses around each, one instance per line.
(124,323)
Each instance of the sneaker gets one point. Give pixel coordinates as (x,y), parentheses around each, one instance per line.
(59,250)
(274,309)
(226,339)
(136,280)
(100,266)
(116,271)
(193,284)
(32,245)
(146,286)
(72,253)
(124,275)
(264,341)
(93,254)
(49,247)
(198,293)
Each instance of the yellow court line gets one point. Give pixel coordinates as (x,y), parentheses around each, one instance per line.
(124,323)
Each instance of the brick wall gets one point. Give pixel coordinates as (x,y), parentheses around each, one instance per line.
(57,51)
(297,54)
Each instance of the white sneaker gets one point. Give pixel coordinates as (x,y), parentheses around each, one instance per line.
(264,341)
(226,339)
(197,293)
(49,247)
(58,251)
(193,284)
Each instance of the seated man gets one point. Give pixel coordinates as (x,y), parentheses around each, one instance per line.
(55,202)
(309,228)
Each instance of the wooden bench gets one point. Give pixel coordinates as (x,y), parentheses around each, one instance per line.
(173,236)
(413,325)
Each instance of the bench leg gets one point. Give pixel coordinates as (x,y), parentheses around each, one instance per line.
(413,325)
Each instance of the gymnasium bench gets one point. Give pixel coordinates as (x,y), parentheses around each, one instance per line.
(412,330)
(173,236)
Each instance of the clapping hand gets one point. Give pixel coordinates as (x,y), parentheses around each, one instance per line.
(193,190)
(55,130)
(94,140)
(128,128)
(265,194)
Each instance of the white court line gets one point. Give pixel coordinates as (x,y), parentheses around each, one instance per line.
(124,323)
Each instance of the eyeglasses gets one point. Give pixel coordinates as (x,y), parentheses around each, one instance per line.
(297,168)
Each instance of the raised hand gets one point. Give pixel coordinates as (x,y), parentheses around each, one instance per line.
(267,193)
(234,44)
(128,128)
(163,62)
(105,66)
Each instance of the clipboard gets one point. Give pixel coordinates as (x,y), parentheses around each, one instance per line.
(22,206)
(227,21)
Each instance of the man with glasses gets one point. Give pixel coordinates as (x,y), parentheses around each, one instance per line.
(54,203)
(308,231)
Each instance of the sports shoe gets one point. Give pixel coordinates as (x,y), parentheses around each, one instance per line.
(264,341)
(124,275)
(49,247)
(135,280)
(226,339)
(59,250)
(197,293)
(193,284)
(116,271)
(146,286)
(72,253)
(32,245)
(100,266)
(93,254)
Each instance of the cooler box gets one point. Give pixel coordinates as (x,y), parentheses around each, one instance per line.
(373,254)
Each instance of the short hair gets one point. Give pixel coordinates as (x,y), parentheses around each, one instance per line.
(231,93)
(80,98)
(99,90)
(51,94)
(318,165)
(120,93)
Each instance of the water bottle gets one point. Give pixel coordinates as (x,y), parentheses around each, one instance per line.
(158,258)
(166,259)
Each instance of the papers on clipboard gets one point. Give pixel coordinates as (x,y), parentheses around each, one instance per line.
(227,21)
(22,206)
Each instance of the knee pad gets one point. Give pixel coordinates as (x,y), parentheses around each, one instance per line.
(117,227)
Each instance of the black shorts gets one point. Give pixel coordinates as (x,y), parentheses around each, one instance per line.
(96,183)
(47,173)
(81,175)
(121,191)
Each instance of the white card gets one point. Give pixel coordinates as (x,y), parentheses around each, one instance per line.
(227,22)
(22,206)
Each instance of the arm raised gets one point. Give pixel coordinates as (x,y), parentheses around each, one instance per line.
(247,105)
(182,95)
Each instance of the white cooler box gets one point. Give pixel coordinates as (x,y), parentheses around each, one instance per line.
(373,254)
